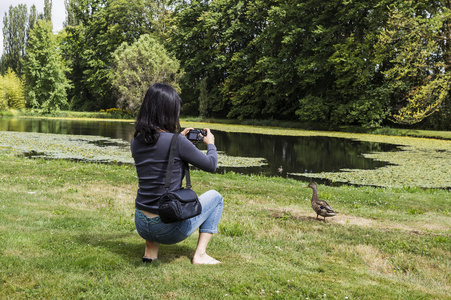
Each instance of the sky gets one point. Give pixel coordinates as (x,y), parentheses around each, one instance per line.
(58,13)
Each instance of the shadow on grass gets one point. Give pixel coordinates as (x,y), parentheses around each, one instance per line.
(132,252)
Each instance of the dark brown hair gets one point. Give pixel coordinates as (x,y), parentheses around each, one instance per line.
(159,111)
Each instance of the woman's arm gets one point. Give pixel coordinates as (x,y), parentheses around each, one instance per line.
(190,153)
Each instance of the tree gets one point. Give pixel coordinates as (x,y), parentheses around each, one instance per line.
(203,99)
(71,11)
(47,10)
(12,93)
(359,95)
(137,67)
(204,37)
(158,13)
(15,93)
(263,80)
(419,74)
(99,28)
(282,59)
(44,69)
(32,19)
(14,38)
(73,46)
(3,95)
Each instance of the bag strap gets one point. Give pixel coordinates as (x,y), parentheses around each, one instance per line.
(188,179)
(172,150)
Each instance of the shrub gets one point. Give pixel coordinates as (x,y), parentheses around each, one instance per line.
(12,94)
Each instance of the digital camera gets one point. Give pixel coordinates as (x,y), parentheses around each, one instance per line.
(196,135)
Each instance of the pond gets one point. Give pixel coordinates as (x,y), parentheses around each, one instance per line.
(282,154)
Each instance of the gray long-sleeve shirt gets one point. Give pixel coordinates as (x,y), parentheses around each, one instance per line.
(151,163)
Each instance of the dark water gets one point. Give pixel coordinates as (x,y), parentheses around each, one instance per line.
(117,130)
(292,154)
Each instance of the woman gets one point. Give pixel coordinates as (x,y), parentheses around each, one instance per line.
(156,122)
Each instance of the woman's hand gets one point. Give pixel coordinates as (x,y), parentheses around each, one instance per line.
(210,138)
(186,130)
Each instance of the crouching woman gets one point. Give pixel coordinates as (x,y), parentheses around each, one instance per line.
(156,122)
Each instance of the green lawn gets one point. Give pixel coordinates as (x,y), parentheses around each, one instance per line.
(67,232)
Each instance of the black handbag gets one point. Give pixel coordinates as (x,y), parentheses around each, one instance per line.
(180,204)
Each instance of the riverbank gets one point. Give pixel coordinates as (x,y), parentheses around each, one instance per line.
(66,231)
(116,115)
(416,162)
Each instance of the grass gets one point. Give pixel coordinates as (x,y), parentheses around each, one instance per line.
(67,232)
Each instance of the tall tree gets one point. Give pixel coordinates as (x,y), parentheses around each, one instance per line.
(262,81)
(281,58)
(101,27)
(71,11)
(14,38)
(136,67)
(198,41)
(32,19)
(160,14)
(79,15)
(358,96)
(48,10)
(419,76)
(204,109)
(45,70)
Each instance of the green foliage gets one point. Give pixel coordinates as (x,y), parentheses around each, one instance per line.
(193,42)
(47,10)
(12,92)
(32,19)
(419,71)
(98,29)
(283,59)
(312,109)
(115,113)
(3,100)
(15,92)
(45,69)
(136,67)
(160,15)
(14,38)
(362,100)
(323,63)
(203,99)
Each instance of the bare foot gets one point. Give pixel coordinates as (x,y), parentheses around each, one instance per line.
(204,259)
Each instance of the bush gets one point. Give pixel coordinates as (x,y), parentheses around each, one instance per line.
(12,94)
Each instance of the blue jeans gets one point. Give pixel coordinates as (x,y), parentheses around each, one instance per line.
(152,229)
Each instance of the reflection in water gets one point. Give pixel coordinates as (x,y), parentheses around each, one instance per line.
(112,129)
(289,154)
(283,154)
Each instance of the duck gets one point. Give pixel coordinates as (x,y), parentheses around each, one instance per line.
(321,207)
